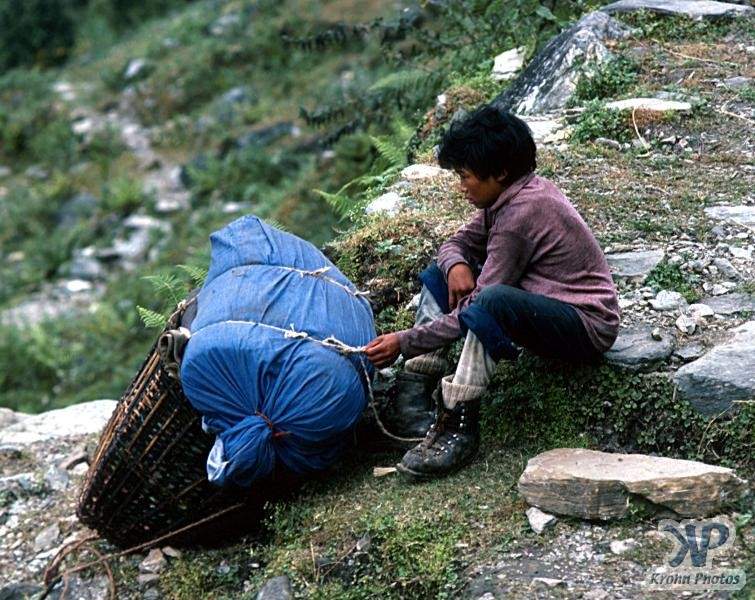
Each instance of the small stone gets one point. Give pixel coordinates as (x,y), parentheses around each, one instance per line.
(539,520)
(171,552)
(667,300)
(738,82)
(686,324)
(80,469)
(656,334)
(47,538)
(726,268)
(73,459)
(56,479)
(690,352)
(608,143)
(389,203)
(10,452)
(364,543)
(147,579)
(277,588)
(595,594)
(135,68)
(718,289)
(419,172)
(740,253)
(623,546)
(548,582)
(699,312)
(508,63)
(634,264)
(649,104)
(154,562)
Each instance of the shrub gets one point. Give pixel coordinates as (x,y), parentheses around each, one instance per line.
(606,80)
(30,128)
(666,276)
(34,32)
(124,195)
(598,121)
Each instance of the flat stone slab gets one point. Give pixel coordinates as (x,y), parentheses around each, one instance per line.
(651,104)
(75,420)
(701,9)
(740,215)
(725,374)
(506,64)
(598,485)
(636,350)
(730,304)
(634,264)
(549,80)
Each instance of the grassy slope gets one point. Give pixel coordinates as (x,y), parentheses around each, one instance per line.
(424,541)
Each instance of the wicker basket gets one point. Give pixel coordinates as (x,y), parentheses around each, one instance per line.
(148,478)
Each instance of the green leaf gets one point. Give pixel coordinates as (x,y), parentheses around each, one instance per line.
(545,13)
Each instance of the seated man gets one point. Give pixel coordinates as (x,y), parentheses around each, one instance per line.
(525,272)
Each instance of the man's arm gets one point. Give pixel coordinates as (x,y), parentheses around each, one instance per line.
(508,255)
(467,245)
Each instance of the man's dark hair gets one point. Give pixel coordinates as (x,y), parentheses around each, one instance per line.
(489,141)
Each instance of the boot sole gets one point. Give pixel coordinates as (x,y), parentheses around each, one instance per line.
(416,476)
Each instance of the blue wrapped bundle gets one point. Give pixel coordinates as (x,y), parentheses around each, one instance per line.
(254,366)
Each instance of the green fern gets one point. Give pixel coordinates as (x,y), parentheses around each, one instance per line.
(340,204)
(195,273)
(401,81)
(151,318)
(168,287)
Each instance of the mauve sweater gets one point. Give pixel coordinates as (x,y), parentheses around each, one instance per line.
(534,239)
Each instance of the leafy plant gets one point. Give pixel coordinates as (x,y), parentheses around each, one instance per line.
(606,80)
(667,276)
(392,151)
(35,32)
(598,121)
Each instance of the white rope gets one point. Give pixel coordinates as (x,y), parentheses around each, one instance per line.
(320,274)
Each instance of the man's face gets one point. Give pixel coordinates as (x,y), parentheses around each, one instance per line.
(481,193)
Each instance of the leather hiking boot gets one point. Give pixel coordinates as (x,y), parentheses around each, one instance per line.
(411,413)
(450,443)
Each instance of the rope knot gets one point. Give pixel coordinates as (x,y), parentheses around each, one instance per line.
(269,423)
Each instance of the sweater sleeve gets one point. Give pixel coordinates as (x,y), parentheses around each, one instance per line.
(467,245)
(508,255)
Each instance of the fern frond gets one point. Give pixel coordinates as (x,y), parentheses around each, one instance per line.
(151,319)
(277,224)
(401,81)
(167,287)
(195,273)
(390,149)
(340,203)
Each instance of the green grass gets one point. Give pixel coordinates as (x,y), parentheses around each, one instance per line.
(666,276)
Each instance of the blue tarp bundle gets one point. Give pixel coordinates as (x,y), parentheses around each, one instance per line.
(266,394)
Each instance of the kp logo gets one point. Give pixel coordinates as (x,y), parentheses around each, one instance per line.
(696,543)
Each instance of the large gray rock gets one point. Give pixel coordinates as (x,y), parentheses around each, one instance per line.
(634,264)
(695,9)
(76,420)
(730,304)
(740,215)
(277,588)
(551,78)
(724,375)
(598,485)
(636,350)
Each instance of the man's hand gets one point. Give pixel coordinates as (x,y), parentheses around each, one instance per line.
(460,283)
(383,350)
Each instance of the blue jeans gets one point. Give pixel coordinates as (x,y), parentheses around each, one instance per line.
(504,317)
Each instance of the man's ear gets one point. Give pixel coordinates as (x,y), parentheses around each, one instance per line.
(502,177)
